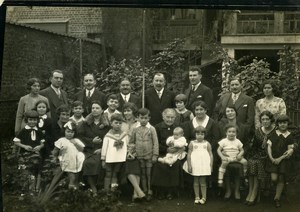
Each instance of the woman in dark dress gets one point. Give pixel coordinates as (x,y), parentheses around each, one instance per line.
(91,133)
(166,179)
(257,156)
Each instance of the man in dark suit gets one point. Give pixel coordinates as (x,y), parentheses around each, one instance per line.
(56,96)
(125,95)
(198,91)
(90,94)
(158,98)
(243,104)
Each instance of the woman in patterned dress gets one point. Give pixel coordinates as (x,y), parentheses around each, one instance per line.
(257,156)
(270,102)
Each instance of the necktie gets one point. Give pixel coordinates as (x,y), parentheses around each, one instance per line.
(89,94)
(125,99)
(159,94)
(33,135)
(193,87)
(234,98)
(58,93)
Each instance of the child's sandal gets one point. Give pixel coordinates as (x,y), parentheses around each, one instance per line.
(202,201)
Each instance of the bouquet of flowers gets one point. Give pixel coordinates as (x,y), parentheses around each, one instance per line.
(119,144)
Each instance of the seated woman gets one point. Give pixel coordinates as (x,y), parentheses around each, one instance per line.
(257,157)
(166,179)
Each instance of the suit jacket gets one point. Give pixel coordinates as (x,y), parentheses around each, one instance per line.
(156,105)
(244,106)
(133,99)
(54,101)
(203,93)
(87,103)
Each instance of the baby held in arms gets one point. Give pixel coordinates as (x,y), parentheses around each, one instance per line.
(176,150)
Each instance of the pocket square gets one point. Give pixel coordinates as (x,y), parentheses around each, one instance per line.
(199,96)
(245,105)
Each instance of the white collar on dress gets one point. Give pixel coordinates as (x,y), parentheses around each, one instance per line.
(148,125)
(204,123)
(285,134)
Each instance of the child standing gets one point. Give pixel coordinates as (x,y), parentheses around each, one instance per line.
(280,148)
(114,151)
(31,141)
(176,149)
(113,104)
(230,150)
(146,143)
(77,109)
(68,150)
(182,114)
(199,163)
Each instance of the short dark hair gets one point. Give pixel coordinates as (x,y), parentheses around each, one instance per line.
(57,71)
(41,101)
(96,102)
(131,106)
(62,108)
(77,103)
(273,84)
(282,118)
(231,106)
(112,96)
(89,74)
(200,129)
(181,98)
(30,114)
(31,81)
(195,68)
(227,126)
(116,117)
(235,78)
(267,113)
(199,103)
(143,112)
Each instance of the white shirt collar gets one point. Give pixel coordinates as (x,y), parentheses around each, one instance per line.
(87,91)
(127,96)
(203,124)
(197,85)
(237,94)
(57,90)
(44,116)
(115,112)
(161,91)
(285,134)
(148,125)
(30,128)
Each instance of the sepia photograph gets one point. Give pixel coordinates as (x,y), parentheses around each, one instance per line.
(124,108)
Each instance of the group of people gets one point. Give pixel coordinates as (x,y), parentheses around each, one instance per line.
(160,147)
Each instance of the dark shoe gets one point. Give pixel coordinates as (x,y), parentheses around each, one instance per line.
(149,197)
(251,203)
(246,202)
(277,203)
(160,196)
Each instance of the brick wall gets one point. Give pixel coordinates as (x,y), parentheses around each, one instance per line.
(30,53)
(79,17)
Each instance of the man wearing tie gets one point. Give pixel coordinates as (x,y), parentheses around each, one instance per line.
(55,95)
(89,94)
(125,95)
(198,91)
(158,98)
(243,104)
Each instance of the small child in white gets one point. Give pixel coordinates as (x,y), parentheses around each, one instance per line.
(77,110)
(68,150)
(230,150)
(176,149)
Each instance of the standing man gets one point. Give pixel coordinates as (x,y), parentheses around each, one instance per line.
(125,94)
(198,91)
(56,96)
(90,94)
(243,104)
(158,98)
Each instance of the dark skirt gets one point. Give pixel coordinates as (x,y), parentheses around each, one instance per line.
(91,164)
(133,167)
(282,168)
(165,176)
(256,167)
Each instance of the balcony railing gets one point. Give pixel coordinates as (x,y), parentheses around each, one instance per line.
(166,31)
(255,27)
(266,27)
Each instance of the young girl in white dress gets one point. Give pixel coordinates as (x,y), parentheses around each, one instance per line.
(68,150)
(199,163)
